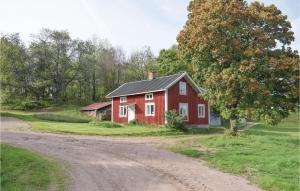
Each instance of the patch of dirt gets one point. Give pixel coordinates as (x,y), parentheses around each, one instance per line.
(126,164)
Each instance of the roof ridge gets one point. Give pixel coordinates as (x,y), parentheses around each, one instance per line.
(179,73)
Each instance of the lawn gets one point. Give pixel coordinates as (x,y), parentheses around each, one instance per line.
(267,155)
(70,121)
(22,170)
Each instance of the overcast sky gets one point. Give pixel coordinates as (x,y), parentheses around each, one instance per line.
(130,24)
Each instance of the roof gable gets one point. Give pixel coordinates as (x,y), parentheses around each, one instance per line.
(155,85)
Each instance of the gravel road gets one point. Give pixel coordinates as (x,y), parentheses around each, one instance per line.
(121,164)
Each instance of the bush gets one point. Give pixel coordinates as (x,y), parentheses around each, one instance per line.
(106,124)
(61,118)
(174,120)
(27,105)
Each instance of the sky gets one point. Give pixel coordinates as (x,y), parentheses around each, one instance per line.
(129,24)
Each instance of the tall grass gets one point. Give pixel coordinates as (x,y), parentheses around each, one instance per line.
(61,118)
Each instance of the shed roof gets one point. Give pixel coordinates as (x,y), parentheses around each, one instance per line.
(95,106)
(145,86)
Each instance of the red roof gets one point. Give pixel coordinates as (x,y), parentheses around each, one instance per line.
(96,106)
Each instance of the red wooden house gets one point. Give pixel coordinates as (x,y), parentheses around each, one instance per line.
(148,100)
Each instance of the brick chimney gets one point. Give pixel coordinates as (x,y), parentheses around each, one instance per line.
(151,75)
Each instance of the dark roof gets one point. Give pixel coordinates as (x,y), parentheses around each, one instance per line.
(95,106)
(143,86)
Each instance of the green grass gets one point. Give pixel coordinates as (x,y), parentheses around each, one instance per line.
(104,128)
(22,170)
(267,155)
(61,118)
(71,121)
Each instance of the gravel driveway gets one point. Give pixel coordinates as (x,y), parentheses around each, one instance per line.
(131,164)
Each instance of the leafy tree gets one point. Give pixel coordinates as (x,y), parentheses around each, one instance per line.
(139,63)
(169,61)
(55,67)
(14,63)
(240,53)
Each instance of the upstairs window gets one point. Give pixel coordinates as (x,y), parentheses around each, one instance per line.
(184,111)
(201,111)
(149,109)
(182,88)
(149,96)
(123,99)
(123,111)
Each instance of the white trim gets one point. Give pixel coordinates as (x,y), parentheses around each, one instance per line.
(147,104)
(182,85)
(193,82)
(166,104)
(124,106)
(124,101)
(149,98)
(201,105)
(208,107)
(112,110)
(187,108)
(175,81)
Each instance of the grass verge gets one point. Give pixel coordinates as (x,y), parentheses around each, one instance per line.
(23,170)
(72,122)
(268,156)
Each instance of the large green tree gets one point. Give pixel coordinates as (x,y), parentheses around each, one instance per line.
(169,61)
(14,64)
(240,53)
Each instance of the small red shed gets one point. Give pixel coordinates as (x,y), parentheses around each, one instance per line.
(148,100)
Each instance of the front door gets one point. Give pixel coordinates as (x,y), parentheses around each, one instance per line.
(131,113)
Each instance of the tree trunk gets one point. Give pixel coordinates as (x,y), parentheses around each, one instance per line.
(233,127)
(94,86)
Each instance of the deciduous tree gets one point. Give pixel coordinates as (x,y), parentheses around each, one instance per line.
(240,53)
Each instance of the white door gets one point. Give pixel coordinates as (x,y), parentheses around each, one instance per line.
(131,113)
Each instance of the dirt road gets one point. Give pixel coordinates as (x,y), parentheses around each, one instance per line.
(127,164)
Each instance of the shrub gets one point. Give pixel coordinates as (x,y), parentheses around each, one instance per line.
(61,118)
(174,120)
(27,105)
(106,124)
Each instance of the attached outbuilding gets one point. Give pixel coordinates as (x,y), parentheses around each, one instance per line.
(101,110)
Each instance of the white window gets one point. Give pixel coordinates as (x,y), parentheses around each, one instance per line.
(149,96)
(123,99)
(184,111)
(149,109)
(201,110)
(123,111)
(182,88)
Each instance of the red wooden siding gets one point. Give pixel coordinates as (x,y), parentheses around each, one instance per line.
(139,101)
(192,99)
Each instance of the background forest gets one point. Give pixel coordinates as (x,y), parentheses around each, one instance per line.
(56,68)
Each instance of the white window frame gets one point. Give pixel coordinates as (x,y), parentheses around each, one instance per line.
(150,104)
(203,114)
(123,99)
(182,88)
(187,110)
(120,111)
(149,98)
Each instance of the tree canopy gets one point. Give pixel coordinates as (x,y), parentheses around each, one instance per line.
(56,68)
(240,53)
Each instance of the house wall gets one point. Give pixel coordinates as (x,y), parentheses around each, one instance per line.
(139,100)
(192,99)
